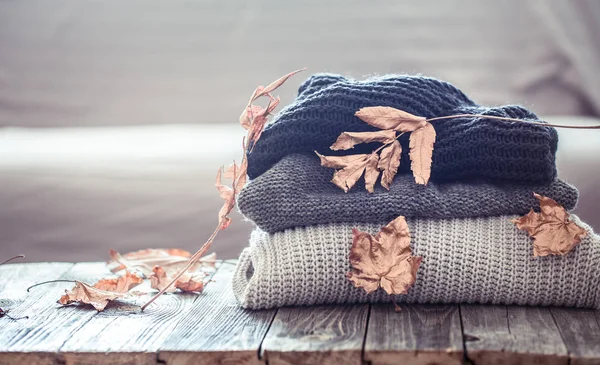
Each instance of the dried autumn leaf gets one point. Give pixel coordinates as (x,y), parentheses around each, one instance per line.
(84,293)
(100,294)
(188,282)
(350,168)
(228,195)
(249,113)
(121,284)
(276,84)
(254,117)
(371,172)
(384,260)
(338,162)
(251,110)
(553,231)
(389,162)
(145,260)
(385,117)
(348,140)
(421,150)
(242,173)
(259,121)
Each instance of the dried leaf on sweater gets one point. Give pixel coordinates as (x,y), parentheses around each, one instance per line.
(552,230)
(384,117)
(188,282)
(371,172)
(348,140)
(389,162)
(145,260)
(350,168)
(338,162)
(101,293)
(421,141)
(384,260)
(421,151)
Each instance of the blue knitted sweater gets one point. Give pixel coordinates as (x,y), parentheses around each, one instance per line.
(466,148)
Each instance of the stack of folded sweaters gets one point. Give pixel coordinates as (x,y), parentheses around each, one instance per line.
(484,173)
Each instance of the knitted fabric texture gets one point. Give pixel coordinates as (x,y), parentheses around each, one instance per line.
(297,191)
(465,147)
(476,260)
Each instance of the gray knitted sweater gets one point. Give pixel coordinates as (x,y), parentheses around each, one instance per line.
(297,191)
(474,260)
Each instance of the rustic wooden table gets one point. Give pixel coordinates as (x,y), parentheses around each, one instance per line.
(210,328)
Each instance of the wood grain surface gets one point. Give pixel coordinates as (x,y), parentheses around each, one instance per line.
(216,330)
(418,334)
(211,328)
(512,335)
(316,335)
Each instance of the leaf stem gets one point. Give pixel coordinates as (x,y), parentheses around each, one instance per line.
(50,281)
(514,120)
(4,313)
(397,308)
(12,258)
(195,257)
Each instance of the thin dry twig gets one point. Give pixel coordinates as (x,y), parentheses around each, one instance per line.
(12,258)
(515,120)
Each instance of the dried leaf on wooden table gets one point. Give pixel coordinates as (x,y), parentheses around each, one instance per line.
(188,282)
(384,117)
(103,292)
(389,162)
(145,260)
(421,151)
(384,260)
(121,284)
(553,231)
(348,140)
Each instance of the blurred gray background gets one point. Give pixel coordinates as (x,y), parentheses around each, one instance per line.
(115,115)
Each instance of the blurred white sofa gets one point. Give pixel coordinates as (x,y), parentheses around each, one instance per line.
(128,70)
(70,194)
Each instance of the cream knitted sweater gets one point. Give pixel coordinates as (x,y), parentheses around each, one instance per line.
(469,260)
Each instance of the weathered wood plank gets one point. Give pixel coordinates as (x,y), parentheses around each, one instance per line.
(216,330)
(418,334)
(122,334)
(14,281)
(36,340)
(512,335)
(316,335)
(16,278)
(580,331)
